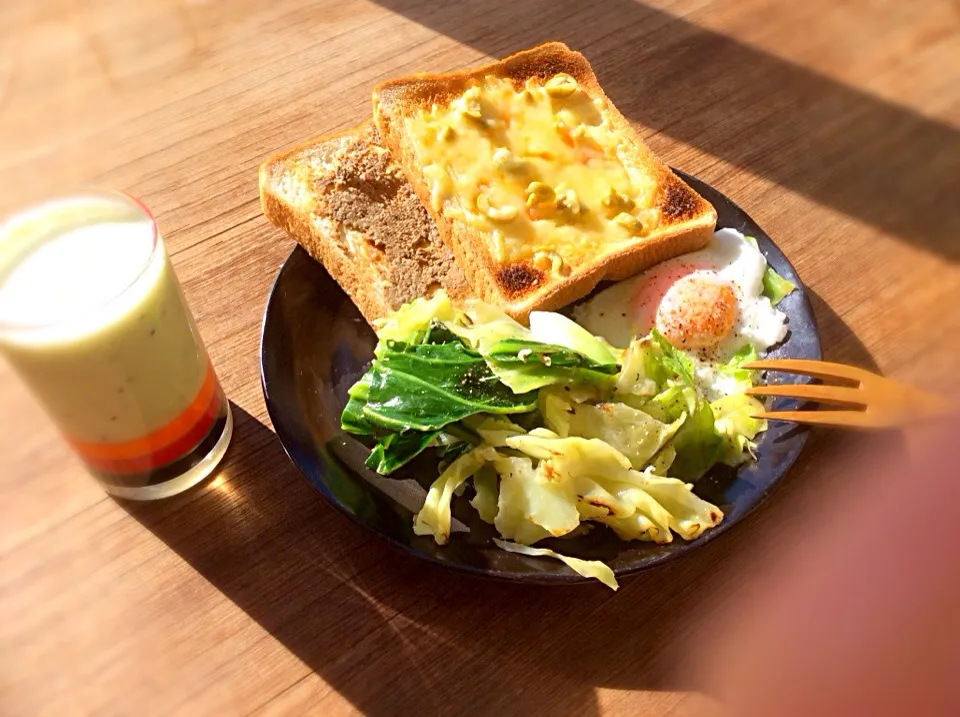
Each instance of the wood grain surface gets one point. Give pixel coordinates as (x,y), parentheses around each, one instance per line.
(835,125)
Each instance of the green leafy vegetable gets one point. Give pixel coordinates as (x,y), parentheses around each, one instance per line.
(697,443)
(395,449)
(556,409)
(534,499)
(412,391)
(520,351)
(494,430)
(640,372)
(660,463)
(684,513)
(514,507)
(734,422)
(525,361)
(554,426)
(412,320)
(734,367)
(526,365)
(352,418)
(531,377)
(648,365)
(451,446)
(775,287)
(483,325)
(676,363)
(428,386)
(551,328)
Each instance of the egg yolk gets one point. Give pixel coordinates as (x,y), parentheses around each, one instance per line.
(651,289)
(697,312)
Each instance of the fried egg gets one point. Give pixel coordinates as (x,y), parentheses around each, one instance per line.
(708,304)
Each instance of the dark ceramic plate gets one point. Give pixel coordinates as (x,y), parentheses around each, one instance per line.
(315,345)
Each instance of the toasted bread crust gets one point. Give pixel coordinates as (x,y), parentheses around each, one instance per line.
(687,220)
(343,200)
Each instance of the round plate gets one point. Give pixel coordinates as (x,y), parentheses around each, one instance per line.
(315,345)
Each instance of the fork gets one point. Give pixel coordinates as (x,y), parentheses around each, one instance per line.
(866,400)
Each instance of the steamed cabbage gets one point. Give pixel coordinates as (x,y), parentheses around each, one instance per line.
(434,517)
(494,430)
(513,504)
(535,496)
(553,350)
(586,568)
(660,463)
(734,422)
(742,377)
(641,505)
(688,514)
(558,430)
(486,484)
(412,319)
(652,360)
(551,328)
(775,287)
(632,432)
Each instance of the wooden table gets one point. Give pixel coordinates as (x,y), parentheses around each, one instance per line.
(836,125)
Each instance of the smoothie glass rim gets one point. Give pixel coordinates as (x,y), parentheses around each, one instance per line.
(10,224)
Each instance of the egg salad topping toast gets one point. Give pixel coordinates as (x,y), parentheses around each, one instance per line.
(535,169)
(535,180)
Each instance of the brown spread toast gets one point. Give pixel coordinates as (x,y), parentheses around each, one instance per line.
(344,201)
(535,180)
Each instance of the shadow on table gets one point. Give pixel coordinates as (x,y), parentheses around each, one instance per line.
(837,340)
(395,636)
(874,160)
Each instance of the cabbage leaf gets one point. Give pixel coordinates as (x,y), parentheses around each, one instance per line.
(638,375)
(396,449)
(533,498)
(634,433)
(528,365)
(689,514)
(352,419)
(586,568)
(697,443)
(734,422)
(636,505)
(775,287)
(493,430)
(486,485)
(408,323)
(525,360)
(552,328)
(434,517)
(734,367)
(427,386)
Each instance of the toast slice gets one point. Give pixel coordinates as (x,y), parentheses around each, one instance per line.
(344,201)
(535,180)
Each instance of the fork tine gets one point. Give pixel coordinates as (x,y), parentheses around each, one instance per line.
(807,367)
(839,395)
(839,419)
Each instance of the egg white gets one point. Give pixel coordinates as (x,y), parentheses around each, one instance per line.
(732,258)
